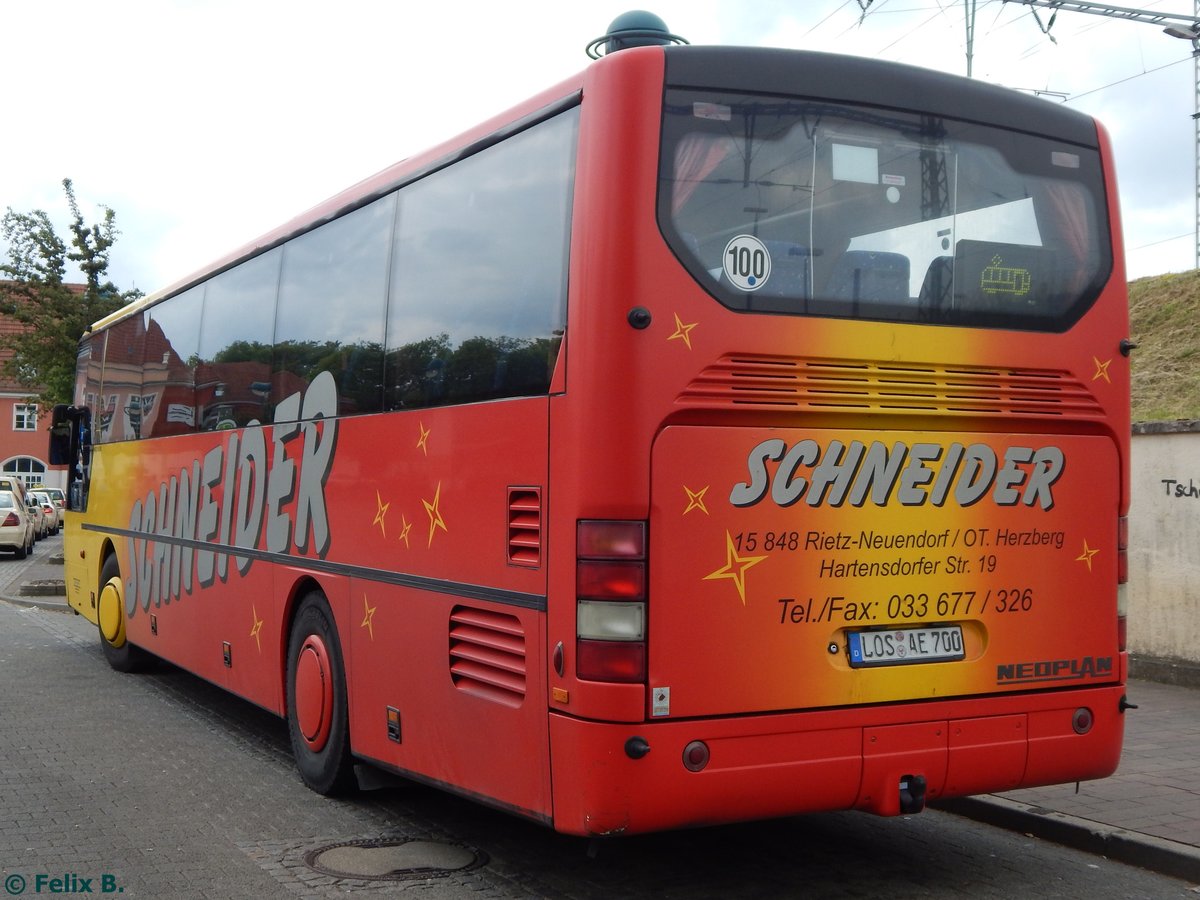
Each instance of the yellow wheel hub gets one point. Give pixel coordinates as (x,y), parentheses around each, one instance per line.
(112,612)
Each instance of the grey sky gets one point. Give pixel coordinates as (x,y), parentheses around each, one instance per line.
(205,123)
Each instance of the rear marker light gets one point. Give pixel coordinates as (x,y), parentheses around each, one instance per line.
(1083,720)
(1122,581)
(1122,550)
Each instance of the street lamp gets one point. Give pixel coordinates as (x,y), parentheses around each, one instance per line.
(1183,33)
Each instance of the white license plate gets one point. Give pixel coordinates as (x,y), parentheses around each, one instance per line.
(899,646)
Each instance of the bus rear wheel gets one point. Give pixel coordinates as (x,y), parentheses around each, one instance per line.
(110,617)
(316,699)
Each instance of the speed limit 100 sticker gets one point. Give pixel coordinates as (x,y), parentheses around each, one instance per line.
(747,262)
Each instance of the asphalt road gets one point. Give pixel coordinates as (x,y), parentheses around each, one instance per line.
(159,785)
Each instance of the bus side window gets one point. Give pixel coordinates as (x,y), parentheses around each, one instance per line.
(477,305)
(332,295)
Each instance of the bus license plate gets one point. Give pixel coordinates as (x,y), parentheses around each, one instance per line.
(900,646)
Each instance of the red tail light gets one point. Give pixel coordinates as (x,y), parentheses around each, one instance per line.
(610,592)
(10,520)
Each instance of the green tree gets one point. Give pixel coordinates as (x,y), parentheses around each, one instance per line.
(35,294)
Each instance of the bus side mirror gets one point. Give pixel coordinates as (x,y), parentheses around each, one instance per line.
(61,431)
(71,446)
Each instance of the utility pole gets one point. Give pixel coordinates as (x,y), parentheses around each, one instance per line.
(1177,26)
(969,7)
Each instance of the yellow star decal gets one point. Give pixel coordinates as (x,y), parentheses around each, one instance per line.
(683,332)
(1102,370)
(1086,555)
(405,528)
(423,440)
(435,517)
(381,509)
(696,499)
(256,628)
(735,567)
(368,619)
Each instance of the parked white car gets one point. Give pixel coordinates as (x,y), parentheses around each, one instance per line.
(16,525)
(38,517)
(52,517)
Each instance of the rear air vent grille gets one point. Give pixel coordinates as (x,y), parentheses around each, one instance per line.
(780,383)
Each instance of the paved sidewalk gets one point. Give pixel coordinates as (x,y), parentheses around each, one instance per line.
(1147,814)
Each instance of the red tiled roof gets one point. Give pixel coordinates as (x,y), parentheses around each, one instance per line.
(8,326)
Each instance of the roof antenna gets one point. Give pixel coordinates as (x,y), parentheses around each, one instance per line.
(636,28)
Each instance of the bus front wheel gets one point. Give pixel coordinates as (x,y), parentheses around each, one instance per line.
(110,616)
(316,699)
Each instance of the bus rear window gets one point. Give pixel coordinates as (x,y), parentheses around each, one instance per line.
(787,205)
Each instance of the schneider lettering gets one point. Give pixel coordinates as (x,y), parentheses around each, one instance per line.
(234,494)
(910,475)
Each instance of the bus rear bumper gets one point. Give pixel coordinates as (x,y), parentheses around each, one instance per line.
(856,758)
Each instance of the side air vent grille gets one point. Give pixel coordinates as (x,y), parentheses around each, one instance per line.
(487,655)
(839,385)
(525,527)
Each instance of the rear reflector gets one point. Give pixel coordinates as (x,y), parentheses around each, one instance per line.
(696,756)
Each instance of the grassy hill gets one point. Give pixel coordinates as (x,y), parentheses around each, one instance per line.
(1164,313)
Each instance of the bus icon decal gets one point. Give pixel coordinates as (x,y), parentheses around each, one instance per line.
(998,279)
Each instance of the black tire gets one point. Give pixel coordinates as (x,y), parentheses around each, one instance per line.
(316,699)
(25,549)
(121,655)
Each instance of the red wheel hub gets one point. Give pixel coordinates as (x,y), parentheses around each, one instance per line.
(314,693)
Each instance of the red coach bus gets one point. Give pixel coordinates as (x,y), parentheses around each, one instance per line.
(724,433)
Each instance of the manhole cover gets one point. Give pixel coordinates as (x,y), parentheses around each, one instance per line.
(393,860)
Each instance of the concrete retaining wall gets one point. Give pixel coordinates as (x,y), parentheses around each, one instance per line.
(1164,551)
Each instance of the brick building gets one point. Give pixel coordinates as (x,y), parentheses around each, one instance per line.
(24,438)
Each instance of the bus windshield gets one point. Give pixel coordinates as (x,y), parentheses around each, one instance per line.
(788,205)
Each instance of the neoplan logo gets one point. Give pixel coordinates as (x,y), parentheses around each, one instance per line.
(1055,669)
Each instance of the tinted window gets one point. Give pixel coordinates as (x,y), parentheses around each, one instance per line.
(117,405)
(88,373)
(233,373)
(798,206)
(478,294)
(172,353)
(332,294)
